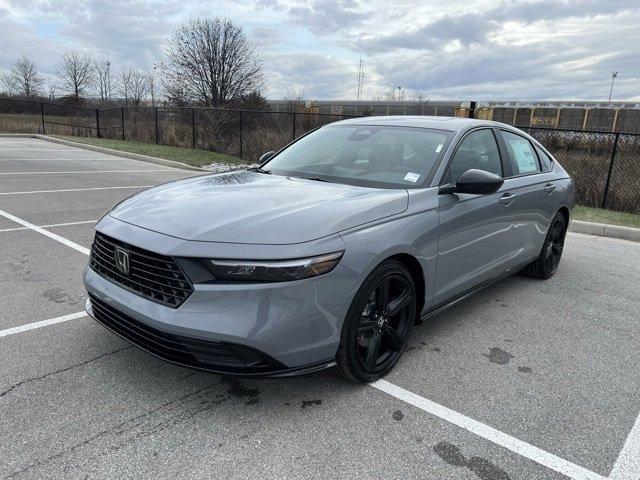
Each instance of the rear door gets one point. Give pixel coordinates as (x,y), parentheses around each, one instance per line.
(534,200)
(474,230)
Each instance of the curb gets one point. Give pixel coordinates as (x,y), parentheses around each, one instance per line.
(109,151)
(603,230)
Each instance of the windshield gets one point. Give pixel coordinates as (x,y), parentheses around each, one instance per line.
(390,157)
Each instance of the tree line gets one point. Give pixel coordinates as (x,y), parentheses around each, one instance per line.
(207,62)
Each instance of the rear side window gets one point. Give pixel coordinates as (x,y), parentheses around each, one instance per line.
(545,160)
(477,150)
(522,155)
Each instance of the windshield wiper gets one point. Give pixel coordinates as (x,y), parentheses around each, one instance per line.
(259,170)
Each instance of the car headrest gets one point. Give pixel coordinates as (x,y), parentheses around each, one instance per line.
(381,158)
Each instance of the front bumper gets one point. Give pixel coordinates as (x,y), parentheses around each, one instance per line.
(212,356)
(250,329)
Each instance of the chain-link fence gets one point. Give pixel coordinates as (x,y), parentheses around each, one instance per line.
(605,165)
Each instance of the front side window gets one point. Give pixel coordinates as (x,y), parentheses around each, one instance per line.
(377,156)
(477,150)
(523,157)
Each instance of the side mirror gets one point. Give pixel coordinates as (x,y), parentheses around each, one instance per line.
(478,182)
(266,156)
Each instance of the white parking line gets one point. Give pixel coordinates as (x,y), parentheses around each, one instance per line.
(80,158)
(627,466)
(43,323)
(90,171)
(46,233)
(66,224)
(75,190)
(39,149)
(524,449)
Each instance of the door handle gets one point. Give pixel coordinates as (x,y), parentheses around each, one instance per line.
(507,198)
(549,188)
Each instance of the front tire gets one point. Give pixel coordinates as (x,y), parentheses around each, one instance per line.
(547,263)
(378,323)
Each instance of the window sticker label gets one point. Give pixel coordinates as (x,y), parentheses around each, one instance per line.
(524,156)
(439,148)
(412,177)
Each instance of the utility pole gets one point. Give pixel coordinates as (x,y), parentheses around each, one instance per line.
(613,77)
(361,75)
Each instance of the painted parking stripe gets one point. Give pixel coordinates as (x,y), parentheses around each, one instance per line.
(49,149)
(91,171)
(524,449)
(75,190)
(627,466)
(96,159)
(66,224)
(43,323)
(46,233)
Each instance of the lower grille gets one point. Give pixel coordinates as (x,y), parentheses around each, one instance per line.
(192,352)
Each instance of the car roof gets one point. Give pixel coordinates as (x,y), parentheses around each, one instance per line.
(453,124)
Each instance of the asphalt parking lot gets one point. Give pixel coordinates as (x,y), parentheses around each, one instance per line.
(525,380)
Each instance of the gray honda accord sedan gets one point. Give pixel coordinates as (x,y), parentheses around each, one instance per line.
(332,250)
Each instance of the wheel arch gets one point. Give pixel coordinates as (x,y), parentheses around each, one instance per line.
(417,275)
(565,212)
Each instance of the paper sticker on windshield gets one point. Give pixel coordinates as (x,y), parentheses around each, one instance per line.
(439,148)
(412,177)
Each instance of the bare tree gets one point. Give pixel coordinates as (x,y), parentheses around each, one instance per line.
(76,73)
(211,61)
(294,100)
(134,85)
(8,82)
(138,85)
(24,79)
(153,83)
(104,78)
(52,87)
(125,82)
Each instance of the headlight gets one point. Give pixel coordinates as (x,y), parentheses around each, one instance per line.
(274,270)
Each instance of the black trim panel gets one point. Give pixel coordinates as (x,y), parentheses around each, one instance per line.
(191,352)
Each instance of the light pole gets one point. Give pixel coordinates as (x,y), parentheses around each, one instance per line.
(613,77)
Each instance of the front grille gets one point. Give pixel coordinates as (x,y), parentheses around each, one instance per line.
(192,352)
(151,275)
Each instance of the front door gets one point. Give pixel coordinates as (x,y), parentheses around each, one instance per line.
(474,230)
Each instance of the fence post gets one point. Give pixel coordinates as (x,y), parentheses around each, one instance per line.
(122,120)
(472,109)
(97,123)
(42,115)
(193,128)
(294,126)
(241,133)
(613,157)
(155,110)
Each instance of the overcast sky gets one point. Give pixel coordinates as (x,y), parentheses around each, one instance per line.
(469,49)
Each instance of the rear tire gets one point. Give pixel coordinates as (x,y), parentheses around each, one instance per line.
(378,323)
(547,262)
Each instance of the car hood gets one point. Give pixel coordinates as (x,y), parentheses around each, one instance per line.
(250,207)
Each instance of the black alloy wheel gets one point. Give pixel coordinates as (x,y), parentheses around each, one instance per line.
(547,263)
(554,244)
(379,323)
